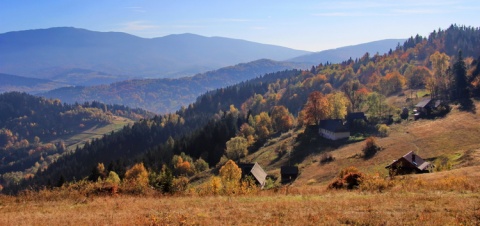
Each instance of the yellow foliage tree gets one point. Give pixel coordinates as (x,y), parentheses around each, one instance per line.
(338,104)
(137,175)
(230,175)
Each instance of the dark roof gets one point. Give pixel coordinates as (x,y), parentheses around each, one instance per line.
(423,103)
(414,160)
(289,170)
(356,115)
(334,125)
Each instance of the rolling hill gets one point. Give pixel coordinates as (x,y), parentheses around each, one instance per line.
(168,95)
(24,84)
(47,53)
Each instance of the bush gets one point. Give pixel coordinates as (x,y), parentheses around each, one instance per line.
(348,178)
(326,158)
(371,147)
(383,130)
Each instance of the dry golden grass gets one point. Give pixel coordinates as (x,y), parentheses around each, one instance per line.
(307,205)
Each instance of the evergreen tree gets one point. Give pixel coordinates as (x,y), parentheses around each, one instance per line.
(460,76)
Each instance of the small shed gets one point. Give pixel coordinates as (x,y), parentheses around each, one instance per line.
(288,174)
(426,105)
(333,129)
(255,170)
(353,118)
(409,163)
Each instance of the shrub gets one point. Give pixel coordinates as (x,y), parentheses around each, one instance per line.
(326,158)
(113,178)
(383,130)
(371,147)
(179,185)
(349,178)
(376,183)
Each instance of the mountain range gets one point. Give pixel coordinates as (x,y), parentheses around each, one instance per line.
(355,51)
(54,51)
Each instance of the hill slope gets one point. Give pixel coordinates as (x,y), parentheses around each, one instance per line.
(355,51)
(168,95)
(454,136)
(25,84)
(55,50)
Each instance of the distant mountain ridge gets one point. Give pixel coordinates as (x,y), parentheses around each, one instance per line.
(39,53)
(344,53)
(25,84)
(168,95)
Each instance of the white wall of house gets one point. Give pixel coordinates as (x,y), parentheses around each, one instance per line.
(334,136)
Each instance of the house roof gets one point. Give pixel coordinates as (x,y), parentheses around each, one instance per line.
(259,174)
(423,103)
(334,125)
(414,160)
(355,115)
(256,170)
(289,170)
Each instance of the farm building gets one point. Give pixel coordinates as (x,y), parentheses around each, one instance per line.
(333,129)
(254,170)
(288,173)
(409,163)
(426,106)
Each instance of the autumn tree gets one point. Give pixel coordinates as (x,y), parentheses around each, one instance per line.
(440,81)
(316,109)
(338,104)
(375,104)
(392,82)
(137,175)
(236,148)
(248,132)
(281,118)
(230,175)
(350,89)
(417,77)
(263,125)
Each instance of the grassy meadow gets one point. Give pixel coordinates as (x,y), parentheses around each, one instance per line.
(444,200)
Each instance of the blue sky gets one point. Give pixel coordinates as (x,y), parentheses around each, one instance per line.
(307,25)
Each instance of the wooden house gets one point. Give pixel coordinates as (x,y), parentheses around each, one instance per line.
(426,106)
(333,129)
(409,163)
(254,170)
(288,173)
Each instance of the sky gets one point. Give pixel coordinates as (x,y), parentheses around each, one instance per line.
(304,25)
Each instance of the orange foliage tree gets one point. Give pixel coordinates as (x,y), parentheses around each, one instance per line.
(316,109)
(281,118)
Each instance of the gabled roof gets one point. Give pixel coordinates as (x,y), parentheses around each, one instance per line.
(259,174)
(414,160)
(256,170)
(423,103)
(334,125)
(356,115)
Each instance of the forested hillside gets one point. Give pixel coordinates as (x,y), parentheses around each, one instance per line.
(33,129)
(231,122)
(168,95)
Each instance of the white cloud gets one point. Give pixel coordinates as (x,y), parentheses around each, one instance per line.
(136,9)
(138,26)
